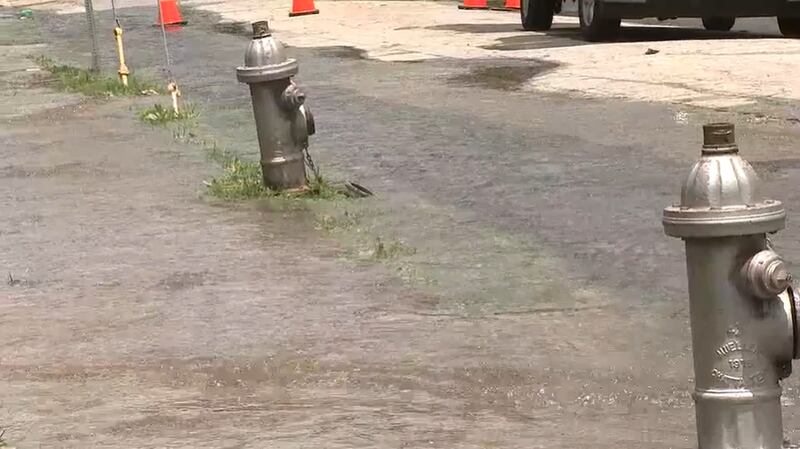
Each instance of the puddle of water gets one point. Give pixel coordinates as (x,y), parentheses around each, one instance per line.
(233,28)
(509,77)
(343,52)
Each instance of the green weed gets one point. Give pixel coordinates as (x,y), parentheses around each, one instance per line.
(390,250)
(158,115)
(75,79)
(333,223)
(241,180)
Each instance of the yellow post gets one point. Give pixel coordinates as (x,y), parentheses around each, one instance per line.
(123,69)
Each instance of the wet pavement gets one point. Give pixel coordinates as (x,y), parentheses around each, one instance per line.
(541,306)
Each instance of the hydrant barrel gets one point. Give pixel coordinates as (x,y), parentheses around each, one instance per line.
(283,122)
(742,308)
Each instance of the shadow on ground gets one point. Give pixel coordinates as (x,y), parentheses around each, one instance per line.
(564,35)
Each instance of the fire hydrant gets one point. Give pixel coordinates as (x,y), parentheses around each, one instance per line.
(743,308)
(283,121)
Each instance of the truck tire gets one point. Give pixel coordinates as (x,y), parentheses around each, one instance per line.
(718,23)
(536,15)
(595,26)
(790,26)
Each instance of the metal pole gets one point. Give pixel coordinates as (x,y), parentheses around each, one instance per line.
(92,35)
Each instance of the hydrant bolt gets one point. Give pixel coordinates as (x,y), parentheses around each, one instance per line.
(743,310)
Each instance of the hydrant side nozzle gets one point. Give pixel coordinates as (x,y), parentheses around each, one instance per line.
(766,275)
(292,97)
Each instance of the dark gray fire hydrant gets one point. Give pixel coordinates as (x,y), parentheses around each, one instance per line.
(742,305)
(283,121)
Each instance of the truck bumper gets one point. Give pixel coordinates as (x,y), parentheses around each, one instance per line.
(639,9)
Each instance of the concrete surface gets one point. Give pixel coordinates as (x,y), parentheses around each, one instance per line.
(692,67)
(704,69)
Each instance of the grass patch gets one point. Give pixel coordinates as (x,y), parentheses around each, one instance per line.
(241,180)
(75,79)
(158,115)
(391,250)
(334,223)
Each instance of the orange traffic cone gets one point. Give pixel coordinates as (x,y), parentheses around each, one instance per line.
(511,5)
(303,8)
(474,4)
(169,14)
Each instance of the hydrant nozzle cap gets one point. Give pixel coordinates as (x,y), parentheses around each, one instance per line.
(260,29)
(719,136)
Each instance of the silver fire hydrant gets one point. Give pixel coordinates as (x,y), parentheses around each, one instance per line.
(742,305)
(283,122)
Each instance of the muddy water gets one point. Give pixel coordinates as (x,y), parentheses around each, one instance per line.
(140,313)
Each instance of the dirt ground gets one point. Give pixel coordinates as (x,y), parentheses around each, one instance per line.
(138,312)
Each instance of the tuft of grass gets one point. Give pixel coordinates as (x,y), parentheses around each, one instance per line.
(241,180)
(391,250)
(184,133)
(320,188)
(333,223)
(158,115)
(75,79)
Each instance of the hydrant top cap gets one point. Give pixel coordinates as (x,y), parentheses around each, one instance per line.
(717,135)
(260,29)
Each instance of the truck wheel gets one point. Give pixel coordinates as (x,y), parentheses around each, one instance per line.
(537,15)
(595,26)
(790,26)
(719,23)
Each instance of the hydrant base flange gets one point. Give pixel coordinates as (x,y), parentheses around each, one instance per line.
(762,218)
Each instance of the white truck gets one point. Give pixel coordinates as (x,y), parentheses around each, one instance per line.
(600,19)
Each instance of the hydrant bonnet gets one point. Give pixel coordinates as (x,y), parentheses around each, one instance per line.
(720,196)
(265,58)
